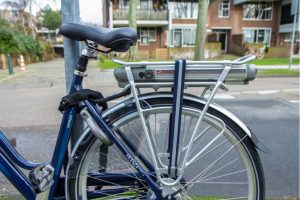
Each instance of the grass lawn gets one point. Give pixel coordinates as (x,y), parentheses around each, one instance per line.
(108,64)
(278,72)
(275,61)
(11,197)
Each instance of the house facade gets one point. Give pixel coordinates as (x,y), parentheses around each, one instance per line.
(14,16)
(172,24)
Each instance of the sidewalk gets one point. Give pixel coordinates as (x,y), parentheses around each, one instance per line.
(37,92)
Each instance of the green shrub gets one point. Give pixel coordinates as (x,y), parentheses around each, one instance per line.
(15,42)
(102,58)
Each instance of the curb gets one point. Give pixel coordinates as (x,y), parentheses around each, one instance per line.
(12,76)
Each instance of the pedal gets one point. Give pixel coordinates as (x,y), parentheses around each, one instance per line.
(42,177)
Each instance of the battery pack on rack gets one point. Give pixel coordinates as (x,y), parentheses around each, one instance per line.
(163,74)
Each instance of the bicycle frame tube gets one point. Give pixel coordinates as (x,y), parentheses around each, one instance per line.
(63,138)
(16,177)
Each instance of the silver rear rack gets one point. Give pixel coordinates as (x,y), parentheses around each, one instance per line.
(239,61)
(198,73)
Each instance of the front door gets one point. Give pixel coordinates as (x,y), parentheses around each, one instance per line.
(222,38)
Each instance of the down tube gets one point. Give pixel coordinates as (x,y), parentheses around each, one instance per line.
(97,117)
(16,177)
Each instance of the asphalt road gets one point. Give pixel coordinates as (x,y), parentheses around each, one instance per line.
(269,106)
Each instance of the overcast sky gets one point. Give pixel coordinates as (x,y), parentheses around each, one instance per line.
(90,10)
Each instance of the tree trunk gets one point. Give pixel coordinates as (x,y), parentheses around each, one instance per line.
(132,23)
(22,13)
(201,29)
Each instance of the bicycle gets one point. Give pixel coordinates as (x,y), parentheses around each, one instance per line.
(157,145)
(259,52)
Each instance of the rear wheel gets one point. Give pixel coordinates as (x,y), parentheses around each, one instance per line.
(229,168)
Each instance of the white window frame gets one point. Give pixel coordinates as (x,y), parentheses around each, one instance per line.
(174,6)
(147,35)
(220,9)
(121,5)
(260,28)
(147,29)
(155,33)
(150,5)
(256,19)
(182,35)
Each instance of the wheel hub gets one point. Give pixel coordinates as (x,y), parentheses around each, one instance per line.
(167,191)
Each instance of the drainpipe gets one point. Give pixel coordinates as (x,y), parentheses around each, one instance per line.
(110,15)
(169,26)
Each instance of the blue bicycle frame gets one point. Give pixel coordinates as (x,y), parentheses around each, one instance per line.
(10,159)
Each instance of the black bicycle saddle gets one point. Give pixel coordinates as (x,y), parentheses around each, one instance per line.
(116,39)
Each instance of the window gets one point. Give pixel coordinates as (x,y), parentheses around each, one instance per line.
(152,34)
(184,10)
(189,37)
(124,4)
(145,4)
(177,37)
(147,35)
(288,36)
(286,17)
(224,9)
(257,35)
(257,11)
(144,36)
(15,13)
(184,37)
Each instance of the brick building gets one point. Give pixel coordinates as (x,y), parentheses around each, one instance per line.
(172,24)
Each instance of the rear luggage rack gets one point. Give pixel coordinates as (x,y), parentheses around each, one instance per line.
(198,73)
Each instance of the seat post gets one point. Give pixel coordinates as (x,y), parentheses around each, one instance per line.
(86,54)
(80,68)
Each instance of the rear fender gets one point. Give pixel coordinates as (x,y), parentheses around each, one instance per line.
(259,145)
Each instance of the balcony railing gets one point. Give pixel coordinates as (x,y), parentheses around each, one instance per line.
(122,14)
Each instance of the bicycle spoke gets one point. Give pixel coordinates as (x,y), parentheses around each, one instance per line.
(225,183)
(141,142)
(210,151)
(228,174)
(141,181)
(200,136)
(200,175)
(231,162)
(204,148)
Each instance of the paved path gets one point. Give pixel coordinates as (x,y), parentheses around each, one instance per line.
(269,105)
(39,91)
